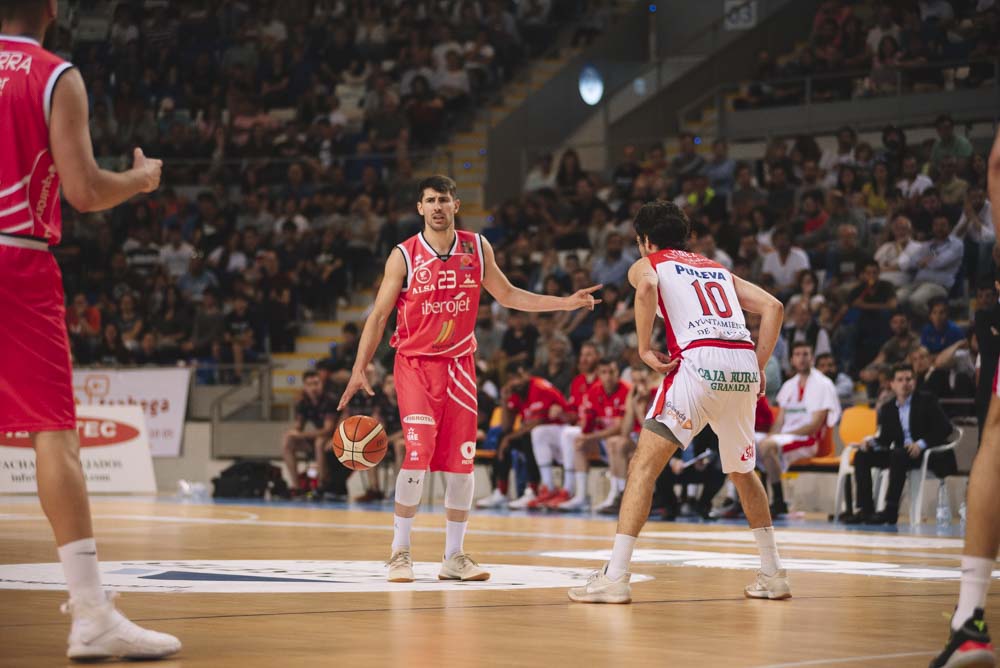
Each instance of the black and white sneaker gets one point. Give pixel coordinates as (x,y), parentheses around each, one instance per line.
(968,647)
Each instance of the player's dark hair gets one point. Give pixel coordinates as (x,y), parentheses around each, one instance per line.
(311,373)
(605,361)
(801,344)
(900,368)
(21,9)
(820,358)
(515,368)
(438,183)
(663,224)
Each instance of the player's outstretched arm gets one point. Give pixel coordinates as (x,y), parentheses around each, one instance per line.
(371,335)
(643,278)
(772,312)
(86,186)
(497,284)
(993,184)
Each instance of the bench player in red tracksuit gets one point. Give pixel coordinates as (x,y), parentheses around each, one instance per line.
(45,142)
(433,280)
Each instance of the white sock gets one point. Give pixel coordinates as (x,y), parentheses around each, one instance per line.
(401,532)
(618,484)
(454,537)
(621,556)
(976,572)
(546,472)
(580,485)
(770,562)
(568,480)
(83,576)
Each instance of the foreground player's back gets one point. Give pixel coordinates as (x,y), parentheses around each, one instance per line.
(697,300)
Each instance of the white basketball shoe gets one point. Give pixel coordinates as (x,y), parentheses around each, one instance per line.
(602,589)
(774,587)
(400,566)
(101,632)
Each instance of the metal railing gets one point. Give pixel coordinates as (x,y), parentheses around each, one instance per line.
(236,398)
(831,87)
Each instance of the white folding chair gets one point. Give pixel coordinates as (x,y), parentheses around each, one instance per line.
(917,477)
(879,484)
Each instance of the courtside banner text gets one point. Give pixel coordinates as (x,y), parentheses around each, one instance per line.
(162,395)
(114,451)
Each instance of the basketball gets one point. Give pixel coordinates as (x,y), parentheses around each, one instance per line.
(360,442)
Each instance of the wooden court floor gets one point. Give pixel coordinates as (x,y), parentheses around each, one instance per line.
(301,586)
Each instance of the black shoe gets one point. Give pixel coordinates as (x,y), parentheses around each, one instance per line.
(779,509)
(970,646)
(669,514)
(858,518)
(883,517)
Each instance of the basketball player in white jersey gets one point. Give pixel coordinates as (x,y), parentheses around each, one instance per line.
(713,376)
(969,643)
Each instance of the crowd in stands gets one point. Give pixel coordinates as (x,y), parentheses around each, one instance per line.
(861,48)
(289,133)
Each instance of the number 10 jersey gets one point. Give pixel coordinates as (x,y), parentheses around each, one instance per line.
(697,301)
(437,307)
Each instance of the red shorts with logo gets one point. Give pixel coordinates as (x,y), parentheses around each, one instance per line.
(36,375)
(438,412)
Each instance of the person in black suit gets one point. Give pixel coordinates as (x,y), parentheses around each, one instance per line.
(910,424)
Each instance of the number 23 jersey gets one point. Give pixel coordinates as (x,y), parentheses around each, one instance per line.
(437,307)
(697,301)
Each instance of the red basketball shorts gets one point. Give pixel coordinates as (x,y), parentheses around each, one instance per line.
(438,411)
(36,375)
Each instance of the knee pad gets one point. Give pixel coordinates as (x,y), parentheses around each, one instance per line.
(409,487)
(458,491)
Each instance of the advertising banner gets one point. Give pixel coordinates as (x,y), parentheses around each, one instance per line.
(114,451)
(162,395)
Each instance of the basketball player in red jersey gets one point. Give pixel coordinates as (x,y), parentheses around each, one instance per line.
(969,642)
(433,279)
(713,376)
(45,139)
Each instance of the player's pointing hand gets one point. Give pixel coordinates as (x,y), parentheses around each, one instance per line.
(358,381)
(148,170)
(583,298)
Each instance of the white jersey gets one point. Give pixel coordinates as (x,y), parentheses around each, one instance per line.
(798,401)
(698,302)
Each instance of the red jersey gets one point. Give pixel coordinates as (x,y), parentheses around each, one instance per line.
(698,303)
(542,396)
(437,307)
(578,390)
(600,409)
(29,184)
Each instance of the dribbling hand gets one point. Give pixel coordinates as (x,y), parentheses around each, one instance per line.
(659,362)
(358,381)
(148,169)
(583,298)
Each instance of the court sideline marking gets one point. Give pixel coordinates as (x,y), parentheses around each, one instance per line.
(847,659)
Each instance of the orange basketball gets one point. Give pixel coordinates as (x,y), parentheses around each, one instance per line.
(360,442)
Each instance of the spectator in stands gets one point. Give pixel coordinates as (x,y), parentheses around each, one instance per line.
(785,263)
(826,364)
(315,420)
(569,173)
(896,350)
(912,183)
(111,351)
(876,194)
(885,25)
(519,340)
(976,230)
(939,332)
(176,254)
(129,321)
(844,260)
(609,344)
(196,281)
(927,208)
(809,406)
(721,169)
(949,144)
(933,266)
(907,426)
(687,162)
(208,326)
(612,268)
(951,187)
(901,245)
(843,153)
(553,358)
(781,194)
(866,313)
(803,328)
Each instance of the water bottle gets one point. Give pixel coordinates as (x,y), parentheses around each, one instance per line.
(943,506)
(961,514)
